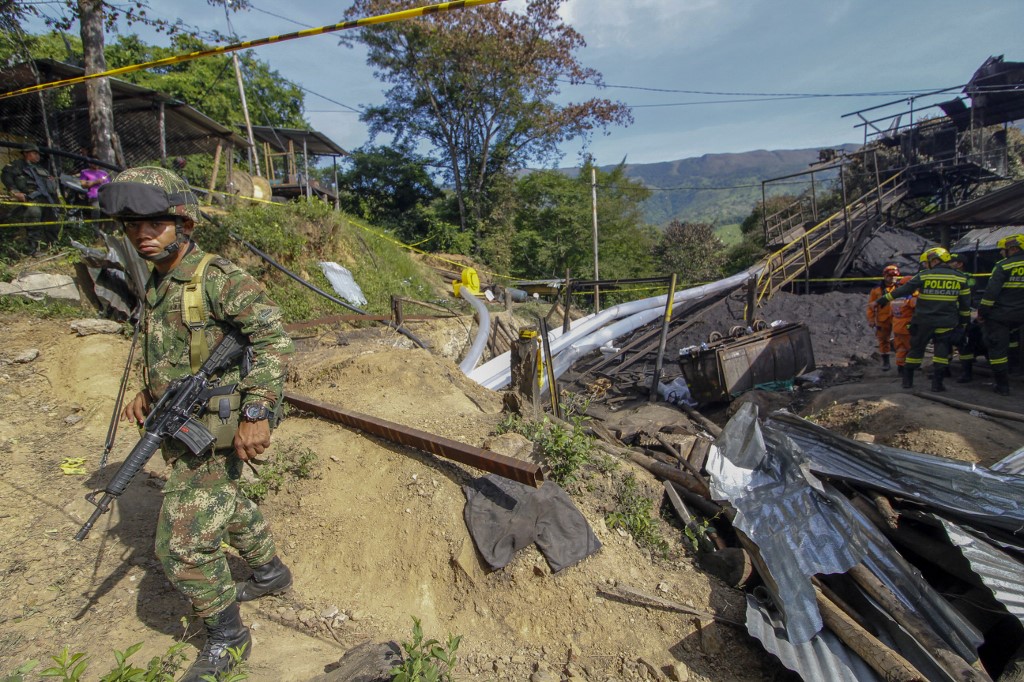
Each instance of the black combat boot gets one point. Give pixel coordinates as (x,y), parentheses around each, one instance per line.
(908,376)
(223,631)
(967,374)
(885,363)
(1002,382)
(938,374)
(270,578)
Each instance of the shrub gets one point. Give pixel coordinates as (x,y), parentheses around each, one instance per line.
(426,660)
(288,464)
(633,513)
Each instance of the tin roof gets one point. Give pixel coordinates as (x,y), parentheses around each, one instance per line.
(137,116)
(316,142)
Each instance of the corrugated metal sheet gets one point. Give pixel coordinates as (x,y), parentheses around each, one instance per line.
(963,489)
(803,527)
(1013,463)
(984,239)
(824,657)
(1000,572)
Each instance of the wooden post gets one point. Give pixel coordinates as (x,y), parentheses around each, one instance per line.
(568,302)
(748,312)
(216,167)
(665,321)
(549,364)
(525,372)
(958,668)
(396,310)
(597,275)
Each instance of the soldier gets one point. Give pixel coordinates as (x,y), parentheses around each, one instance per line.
(943,304)
(31,184)
(1002,308)
(880,319)
(192,300)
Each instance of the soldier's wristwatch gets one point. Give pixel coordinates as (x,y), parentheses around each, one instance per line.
(256,412)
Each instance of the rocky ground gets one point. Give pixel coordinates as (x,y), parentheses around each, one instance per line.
(377,536)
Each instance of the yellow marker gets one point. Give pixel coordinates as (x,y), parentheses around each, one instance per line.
(73,466)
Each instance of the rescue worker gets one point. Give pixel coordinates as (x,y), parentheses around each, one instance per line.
(966,339)
(31,184)
(902,312)
(1002,308)
(193,300)
(880,319)
(943,304)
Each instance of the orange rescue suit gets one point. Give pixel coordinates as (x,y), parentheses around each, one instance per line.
(902,310)
(881,318)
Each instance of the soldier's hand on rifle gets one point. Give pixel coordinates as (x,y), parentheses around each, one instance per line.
(137,409)
(252,439)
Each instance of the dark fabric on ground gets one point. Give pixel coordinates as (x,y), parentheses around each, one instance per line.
(504,516)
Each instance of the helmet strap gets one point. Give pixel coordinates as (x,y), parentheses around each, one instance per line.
(172,249)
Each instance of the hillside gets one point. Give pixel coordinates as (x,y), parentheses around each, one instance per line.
(720,207)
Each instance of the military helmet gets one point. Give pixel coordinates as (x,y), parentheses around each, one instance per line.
(1013,240)
(148,192)
(935,252)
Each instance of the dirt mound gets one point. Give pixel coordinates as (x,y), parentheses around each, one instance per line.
(376,538)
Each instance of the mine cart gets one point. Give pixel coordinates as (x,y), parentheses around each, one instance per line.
(726,366)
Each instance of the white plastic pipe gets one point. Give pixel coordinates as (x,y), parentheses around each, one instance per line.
(593,331)
(483,331)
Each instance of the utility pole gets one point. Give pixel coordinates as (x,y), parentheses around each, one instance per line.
(597,274)
(252,156)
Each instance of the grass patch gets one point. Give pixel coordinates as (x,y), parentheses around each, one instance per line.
(287,464)
(729,234)
(49,309)
(299,235)
(633,513)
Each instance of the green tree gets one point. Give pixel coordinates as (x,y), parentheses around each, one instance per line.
(391,188)
(477,86)
(553,225)
(209,85)
(691,250)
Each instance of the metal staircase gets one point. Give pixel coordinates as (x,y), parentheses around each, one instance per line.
(846,229)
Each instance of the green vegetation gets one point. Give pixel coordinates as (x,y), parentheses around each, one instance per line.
(286,464)
(425,659)
(566,451)
(71,667)
(299,235)
(633,513)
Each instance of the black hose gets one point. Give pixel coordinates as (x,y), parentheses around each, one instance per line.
(397,327)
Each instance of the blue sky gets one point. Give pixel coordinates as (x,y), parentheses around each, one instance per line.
(829,47)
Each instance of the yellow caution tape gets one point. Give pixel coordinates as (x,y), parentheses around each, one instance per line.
(177,59)
(55,222)
(73,466)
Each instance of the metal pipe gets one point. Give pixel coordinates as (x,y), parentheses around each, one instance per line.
(527,473)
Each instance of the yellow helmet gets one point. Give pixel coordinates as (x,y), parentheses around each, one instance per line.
(1013,240)
(935,252)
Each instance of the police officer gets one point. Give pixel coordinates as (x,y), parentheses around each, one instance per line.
(1002,308)
(943,304)
(967,338)
(193,300)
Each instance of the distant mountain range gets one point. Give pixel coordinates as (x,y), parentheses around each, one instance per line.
(681,190)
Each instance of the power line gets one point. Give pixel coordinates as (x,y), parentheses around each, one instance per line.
(770,95)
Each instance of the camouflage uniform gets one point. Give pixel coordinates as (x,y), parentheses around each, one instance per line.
(202,503)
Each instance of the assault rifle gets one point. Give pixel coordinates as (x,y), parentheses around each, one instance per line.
(173,416)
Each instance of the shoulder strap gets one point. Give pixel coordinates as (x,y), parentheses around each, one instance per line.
(194,314)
